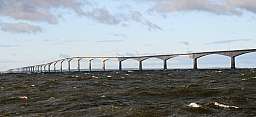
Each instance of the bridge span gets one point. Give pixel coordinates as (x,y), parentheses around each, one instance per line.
(47,67)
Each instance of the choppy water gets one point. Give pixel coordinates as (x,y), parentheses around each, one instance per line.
(176,93)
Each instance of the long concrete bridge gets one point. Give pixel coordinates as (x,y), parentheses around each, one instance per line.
(51,66)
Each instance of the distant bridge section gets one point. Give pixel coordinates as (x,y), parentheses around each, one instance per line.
(46,67)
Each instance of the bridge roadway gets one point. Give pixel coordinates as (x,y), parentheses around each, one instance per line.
(194,56)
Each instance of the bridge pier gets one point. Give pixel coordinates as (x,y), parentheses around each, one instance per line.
(140,65)
(44,68)
(49,67)
(165,64)
(54,66)
(61,65)
(41,68)
(233,62)
(78,64)
(195,63)
(37,69)
(90,65)
(104,64)
(120,65)
(69,70)
(32,69)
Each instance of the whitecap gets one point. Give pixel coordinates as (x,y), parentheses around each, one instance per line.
(194,105)
(103,96)
(224,106)
(218,71)
(23,97)
(95,77)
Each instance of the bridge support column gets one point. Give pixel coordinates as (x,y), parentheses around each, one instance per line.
(45,68)
(33,69)
(233,62)
(120,65)
(195,63)
(140,65)
(36,69)
(90,65)
(78,65)
(54,67)
(49,68)
(104,64)
(61,66)
(165,64)
(69,70)
(41,68)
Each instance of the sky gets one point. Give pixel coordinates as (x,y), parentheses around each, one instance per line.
(39,31)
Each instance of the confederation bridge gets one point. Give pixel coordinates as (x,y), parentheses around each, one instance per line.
(51,66)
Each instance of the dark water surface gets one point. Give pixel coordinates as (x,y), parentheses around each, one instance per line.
(218,93)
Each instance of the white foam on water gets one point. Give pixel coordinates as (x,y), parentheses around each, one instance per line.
(109,76)
(95,77)
(254,77)
(103,96)
(194,105)
(224,106)
(23,97)
(248,78)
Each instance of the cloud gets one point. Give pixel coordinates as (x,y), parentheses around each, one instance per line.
(62,56)
(35,11)
(20,28)
(38,11)
(229,7)
(138,17)
(8,61)
(104,16)
(229,41)
(119,35)
(186,43)
(110,41)
(7,46)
